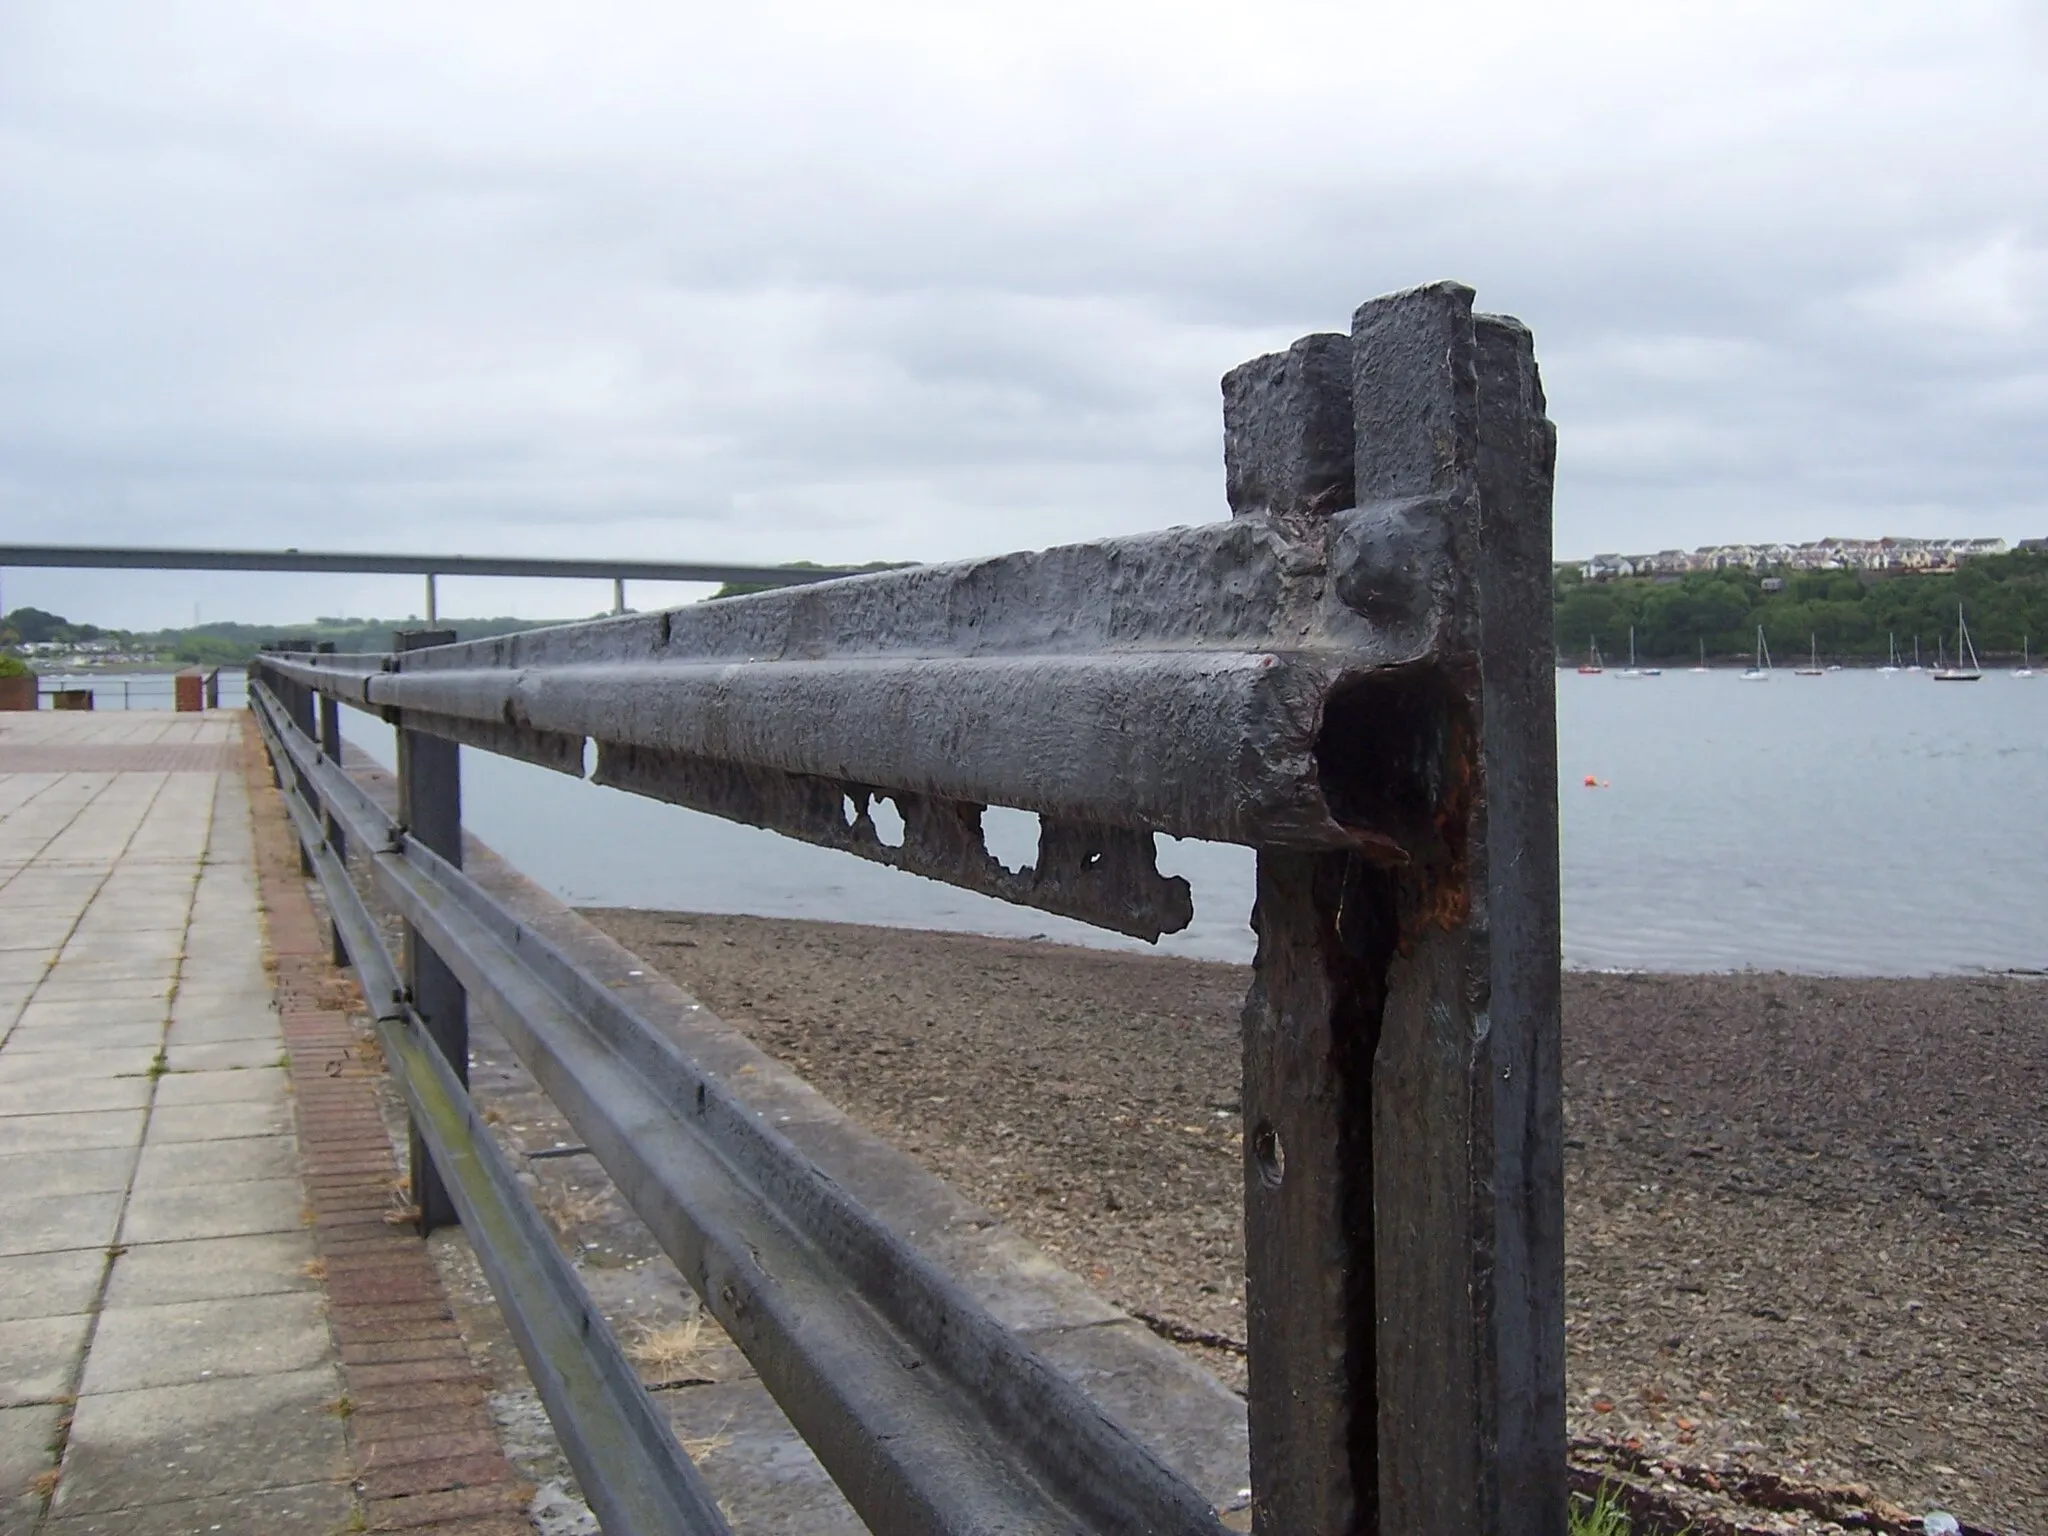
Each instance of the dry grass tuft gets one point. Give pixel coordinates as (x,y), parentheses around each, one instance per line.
(568,1208)
(700,1447)
(44,1483)
(668,1350)
(314,1269)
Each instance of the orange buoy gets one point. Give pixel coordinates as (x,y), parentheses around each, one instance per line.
(1591,782)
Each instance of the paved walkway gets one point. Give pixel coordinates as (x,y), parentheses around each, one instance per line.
(162,1325)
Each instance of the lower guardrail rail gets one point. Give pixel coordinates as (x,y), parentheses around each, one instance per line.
(1352,675)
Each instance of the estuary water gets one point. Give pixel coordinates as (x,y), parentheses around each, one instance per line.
(1857,823)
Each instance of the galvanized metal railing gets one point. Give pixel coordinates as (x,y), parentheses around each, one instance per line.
(1352,676)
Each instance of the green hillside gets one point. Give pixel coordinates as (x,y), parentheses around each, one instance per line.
(1848,613)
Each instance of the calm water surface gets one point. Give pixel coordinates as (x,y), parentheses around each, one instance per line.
(1852,824)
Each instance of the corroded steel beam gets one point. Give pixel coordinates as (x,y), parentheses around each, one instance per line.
(1179,682)
(1403,1176)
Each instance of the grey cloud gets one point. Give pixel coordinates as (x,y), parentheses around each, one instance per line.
(915,283)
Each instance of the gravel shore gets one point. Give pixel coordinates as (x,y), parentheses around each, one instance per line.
(1807,1219)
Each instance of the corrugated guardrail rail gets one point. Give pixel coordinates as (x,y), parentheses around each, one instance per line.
(1352,675)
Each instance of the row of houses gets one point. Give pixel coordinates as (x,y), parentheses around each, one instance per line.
(81,652)
(1820,555)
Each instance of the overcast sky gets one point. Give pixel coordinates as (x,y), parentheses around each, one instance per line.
(774,281)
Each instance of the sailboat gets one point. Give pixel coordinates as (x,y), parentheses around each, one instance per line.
(1760,670)
(1916,655)
(1632,670)
(1812,667)
(2026,666)
(1891,663)
(1703,656)
(1592,662)
(1960,673)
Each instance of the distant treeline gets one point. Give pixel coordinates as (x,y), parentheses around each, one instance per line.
(225,645)
(230,645)
(1848,614)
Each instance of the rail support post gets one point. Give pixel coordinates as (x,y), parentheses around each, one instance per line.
(297,699)
(337,838)
(1402,1129)
(430,809)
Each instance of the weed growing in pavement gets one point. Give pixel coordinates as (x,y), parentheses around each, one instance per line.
(668,1351)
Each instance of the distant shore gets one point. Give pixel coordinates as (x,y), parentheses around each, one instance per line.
(1804,1214)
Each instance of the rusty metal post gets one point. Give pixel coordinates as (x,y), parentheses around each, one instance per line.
(260,672)
(430,810)
(1403,1176)
(337,839)
(297,699)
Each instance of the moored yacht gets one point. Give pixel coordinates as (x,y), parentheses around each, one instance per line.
(1759,671)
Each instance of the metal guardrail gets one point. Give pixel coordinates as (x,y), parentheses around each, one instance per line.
(1353,676)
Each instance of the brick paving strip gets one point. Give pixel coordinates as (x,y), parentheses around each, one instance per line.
(418,1418)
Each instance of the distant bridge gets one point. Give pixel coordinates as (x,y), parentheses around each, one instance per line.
(617,572)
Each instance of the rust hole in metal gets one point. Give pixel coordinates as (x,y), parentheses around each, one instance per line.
(887,818)
(1393,760)
(1269,1154)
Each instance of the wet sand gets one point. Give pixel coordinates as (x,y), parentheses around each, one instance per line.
(1807,1219)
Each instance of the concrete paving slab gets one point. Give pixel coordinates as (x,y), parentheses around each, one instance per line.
(261,1264)
(50,1284)
(60,1133)
(37,1175)
(117,936)
(37,935)
(176,1212)
(193,1341)
(138,974)
(170,1164)
(28,1440)
(230,978)
(210,1023)
(80,1062)
(90,989)
(18,965)
(207,986)
(217,1122)
(761,1473)
(40,1038)
(229,1085)
(224,1054)
(80,1094)
(121,1010)
(47,1223)
(155,1446)
(39,1357)
(314,1509)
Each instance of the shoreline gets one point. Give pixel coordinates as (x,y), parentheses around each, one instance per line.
(1803,1213)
